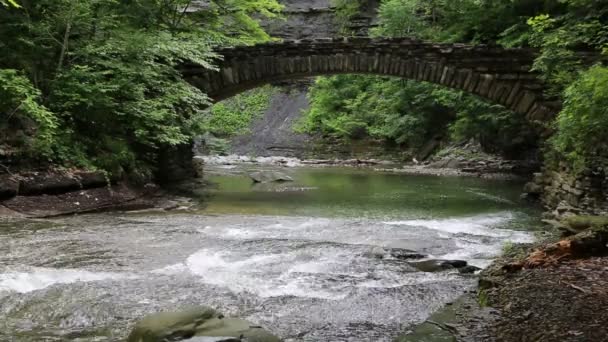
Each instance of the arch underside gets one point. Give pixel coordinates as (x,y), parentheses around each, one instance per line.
(501,76)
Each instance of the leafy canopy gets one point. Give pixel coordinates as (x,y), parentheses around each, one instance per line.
(95,83)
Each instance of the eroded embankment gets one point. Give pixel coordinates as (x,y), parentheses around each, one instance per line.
(54,193)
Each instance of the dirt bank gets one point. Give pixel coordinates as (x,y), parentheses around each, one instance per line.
(546,292)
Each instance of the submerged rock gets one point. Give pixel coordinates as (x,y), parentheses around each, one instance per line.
(404,254)
(376,253)
(396,253)
(533,188)
(197,324)
(269,176)
(469,269)
(438,265)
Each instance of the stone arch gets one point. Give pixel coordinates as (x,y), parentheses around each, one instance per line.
(500,75)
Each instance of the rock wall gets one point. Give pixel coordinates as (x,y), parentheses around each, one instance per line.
(308,19)
(563,192)
(273,133)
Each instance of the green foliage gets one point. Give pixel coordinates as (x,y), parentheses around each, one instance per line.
(582,222)
(9,3)
(399,18)
(583,122)
(410,113)
(425,19)
(508,247)
(345,10)
(98,80)
(233,116)
(483,298)
(583,25)
(20,104)
(497,129)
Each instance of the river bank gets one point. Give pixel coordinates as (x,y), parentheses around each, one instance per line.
(554,290)
(52,193)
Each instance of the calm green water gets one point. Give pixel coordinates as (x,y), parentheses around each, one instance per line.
(351,192)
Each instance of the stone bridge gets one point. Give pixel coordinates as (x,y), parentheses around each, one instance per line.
(500,75)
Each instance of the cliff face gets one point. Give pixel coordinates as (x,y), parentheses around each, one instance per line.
(272,134)
(307,19)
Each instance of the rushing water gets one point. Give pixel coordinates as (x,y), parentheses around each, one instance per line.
(310,260)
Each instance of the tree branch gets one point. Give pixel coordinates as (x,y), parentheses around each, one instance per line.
(64,46)
(179,20)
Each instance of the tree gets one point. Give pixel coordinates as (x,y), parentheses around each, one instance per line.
(582,124)
(103,73)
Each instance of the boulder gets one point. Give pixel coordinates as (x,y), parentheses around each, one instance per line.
(197,324)
(171,325)
(269,176)
(533,188)
(9,187)
(91,179)
(454,164)
(592,241)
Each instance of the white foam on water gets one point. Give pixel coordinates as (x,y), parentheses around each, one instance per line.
(39,278)
(477,238)
(476,254)
(476,225)
(234,159)
(273,275)
(482,240)
(414,278)
(171,269)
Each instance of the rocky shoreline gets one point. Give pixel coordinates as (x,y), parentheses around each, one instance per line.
(54,193)
(503,170)
(555,290)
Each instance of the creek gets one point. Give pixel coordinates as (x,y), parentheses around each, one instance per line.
(311,260)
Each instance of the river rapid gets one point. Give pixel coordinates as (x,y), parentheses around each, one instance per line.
(310,260)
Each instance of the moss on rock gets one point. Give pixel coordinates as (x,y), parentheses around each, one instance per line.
(193,322)
(582,222)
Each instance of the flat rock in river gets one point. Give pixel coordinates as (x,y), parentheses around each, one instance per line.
(197,324)
(269,176)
